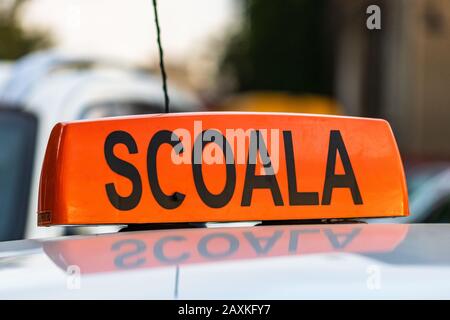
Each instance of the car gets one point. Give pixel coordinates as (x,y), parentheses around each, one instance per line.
(329,261)
(46,87)
(209,198)
(178,185)
(261,101)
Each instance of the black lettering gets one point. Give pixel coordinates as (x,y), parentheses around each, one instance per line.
(210,199)
(296,198)
(233,245)
(295,234)
(138,248)
(256,242)
(347,237)
(166,201)
(158,250)
(332,180)
(252,181)
(123,168)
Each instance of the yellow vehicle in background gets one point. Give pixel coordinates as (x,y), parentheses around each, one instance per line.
(262,101)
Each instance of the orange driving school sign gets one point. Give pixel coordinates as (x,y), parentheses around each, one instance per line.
(198,167)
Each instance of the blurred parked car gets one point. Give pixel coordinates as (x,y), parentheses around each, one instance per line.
(45,88)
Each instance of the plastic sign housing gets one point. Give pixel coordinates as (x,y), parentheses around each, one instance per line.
(199,167)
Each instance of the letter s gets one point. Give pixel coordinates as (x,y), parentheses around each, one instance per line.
(123,168)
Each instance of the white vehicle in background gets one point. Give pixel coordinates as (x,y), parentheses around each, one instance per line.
(5,69)
(45,88)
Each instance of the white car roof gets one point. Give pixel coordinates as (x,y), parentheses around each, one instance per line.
(339,261)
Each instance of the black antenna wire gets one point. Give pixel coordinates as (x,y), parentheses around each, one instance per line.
(161,58)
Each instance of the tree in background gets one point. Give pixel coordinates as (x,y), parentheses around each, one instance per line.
(281,46)
(15,41)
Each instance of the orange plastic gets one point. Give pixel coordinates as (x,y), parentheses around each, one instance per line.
(328,152)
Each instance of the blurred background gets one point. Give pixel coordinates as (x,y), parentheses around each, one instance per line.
(77,59)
